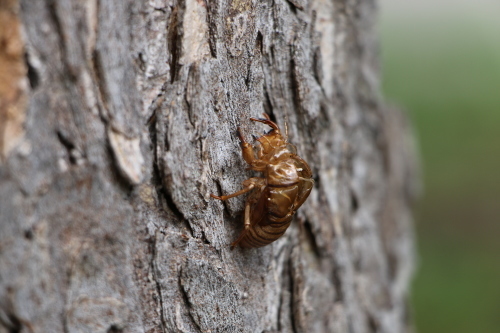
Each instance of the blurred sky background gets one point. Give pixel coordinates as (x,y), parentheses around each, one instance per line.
(441,62)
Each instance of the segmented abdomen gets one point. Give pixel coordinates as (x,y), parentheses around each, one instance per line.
(258,236)
(271,217)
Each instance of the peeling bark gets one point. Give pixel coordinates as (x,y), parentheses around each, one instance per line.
(127,126)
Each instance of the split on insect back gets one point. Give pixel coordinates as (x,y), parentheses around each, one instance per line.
(275,197)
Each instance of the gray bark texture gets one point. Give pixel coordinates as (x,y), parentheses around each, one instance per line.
(118,119)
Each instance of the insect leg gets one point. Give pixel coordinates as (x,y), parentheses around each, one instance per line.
(267,121)
(248,205)
(249,185)
(246,149)
(235,194)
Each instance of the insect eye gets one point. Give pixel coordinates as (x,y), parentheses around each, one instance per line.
(291,148)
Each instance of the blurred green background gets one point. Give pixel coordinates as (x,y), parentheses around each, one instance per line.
(441,62)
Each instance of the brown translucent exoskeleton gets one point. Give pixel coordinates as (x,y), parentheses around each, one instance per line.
(275,197)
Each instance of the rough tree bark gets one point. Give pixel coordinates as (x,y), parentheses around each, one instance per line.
(118,120)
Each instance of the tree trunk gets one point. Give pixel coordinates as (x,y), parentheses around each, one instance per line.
(118,119)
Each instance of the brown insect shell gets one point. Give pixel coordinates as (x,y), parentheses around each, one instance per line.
(271,141)
(287,184)
(281,169)
(282,175)
(277,154)
(283,179)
